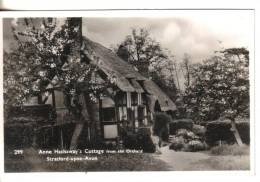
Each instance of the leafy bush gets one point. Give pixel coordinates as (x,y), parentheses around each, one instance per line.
(199,130)
(140,140)
(196,145)
(220,130)
(186,134)
(243,128)
(180,124)
(177,143)
(186,140)
(230,150)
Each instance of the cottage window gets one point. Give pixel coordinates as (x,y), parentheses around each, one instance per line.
(107,102)
(145,116)
(108,114)
(59,99)
(110,131)
(121,99)
(143,99)
(140,113)
(134,99)
(130,116)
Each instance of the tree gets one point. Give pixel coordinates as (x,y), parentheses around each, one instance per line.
(142,51)
(221,88)
(41,54)
(147,55)
(46,52)
(185,67)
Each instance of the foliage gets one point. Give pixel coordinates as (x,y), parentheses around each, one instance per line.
(186,141)
(19,136)
(220,87)
(180,124)
(161,121)
(140,140)
(177,143)
(186,69)
(199,130)
(32,113)
(186,134)
(141,50)
(196,145)
(151,60)
(219,130)
(48,55)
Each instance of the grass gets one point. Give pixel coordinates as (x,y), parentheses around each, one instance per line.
(32,162)
(230,150)
(224,163)
(225,157)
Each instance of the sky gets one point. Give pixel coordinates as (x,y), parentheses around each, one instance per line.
(198,33)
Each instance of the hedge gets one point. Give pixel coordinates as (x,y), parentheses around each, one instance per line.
(220,130)
(140,140)
(180,124)
(33,113)
(19,136)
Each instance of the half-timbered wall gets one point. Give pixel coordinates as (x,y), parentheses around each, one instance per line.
(108,118)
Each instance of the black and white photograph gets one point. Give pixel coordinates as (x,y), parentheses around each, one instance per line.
(136,93)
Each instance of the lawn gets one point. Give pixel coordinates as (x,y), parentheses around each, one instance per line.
(219,158)
(30,161)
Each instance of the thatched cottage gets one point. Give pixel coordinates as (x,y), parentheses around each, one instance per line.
(132,102)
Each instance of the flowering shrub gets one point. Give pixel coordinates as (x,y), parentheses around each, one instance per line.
(196,145)
(186,134)
(199,130)
(177,143)
(48,53)
(220,86)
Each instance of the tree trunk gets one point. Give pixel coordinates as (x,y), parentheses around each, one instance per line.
(90,116)
(75,136)
(177,77)
(236,133)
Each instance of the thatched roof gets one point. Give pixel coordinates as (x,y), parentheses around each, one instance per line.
(138,88)
(165,102)
(126,75)
(113,63)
